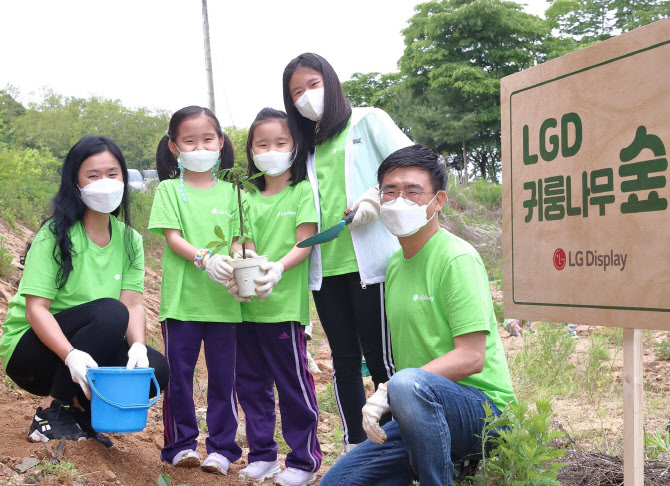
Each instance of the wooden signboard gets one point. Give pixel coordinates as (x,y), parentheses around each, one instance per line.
(586,222)
(586,185)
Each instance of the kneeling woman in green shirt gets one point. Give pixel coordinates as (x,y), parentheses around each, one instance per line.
(80,300)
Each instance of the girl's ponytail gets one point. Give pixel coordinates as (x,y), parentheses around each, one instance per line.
(227,156)
(166,163)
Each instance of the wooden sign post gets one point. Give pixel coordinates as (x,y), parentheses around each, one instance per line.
(586,222)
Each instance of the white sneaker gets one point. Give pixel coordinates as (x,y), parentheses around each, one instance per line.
(260,470)
(295,477)
(216,463)
(187,458)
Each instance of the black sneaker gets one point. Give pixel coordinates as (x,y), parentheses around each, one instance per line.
(55,422)
(84,420)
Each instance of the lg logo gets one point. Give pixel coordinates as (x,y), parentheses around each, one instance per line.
(559,259)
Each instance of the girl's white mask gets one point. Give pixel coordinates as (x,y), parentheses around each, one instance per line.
(310,104)
(273,163)
(103,195)
(198,160)
(402,218)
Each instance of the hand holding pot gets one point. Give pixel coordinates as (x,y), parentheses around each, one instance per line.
(234,291)
(270,280)
(218,269)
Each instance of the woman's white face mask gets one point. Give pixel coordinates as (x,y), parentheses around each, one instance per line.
(310,104)
(403,218)
(103,195)
(273,163)
(198,160)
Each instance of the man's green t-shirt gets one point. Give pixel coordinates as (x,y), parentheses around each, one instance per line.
(188,294)
(96,273)
(337,256)
(440,293)
(273,221)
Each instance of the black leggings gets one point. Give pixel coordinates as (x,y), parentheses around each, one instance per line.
(99,329)
(354,320)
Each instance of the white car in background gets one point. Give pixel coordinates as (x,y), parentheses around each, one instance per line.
(135,180)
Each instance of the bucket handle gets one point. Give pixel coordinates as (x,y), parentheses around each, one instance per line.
(127,407)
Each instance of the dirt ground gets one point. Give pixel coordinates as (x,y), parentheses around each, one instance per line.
(134,459)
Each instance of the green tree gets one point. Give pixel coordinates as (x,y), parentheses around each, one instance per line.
(239,138)
(456,53)
(590,21)
(58,122)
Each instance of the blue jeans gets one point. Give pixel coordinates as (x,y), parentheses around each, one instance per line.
(436,422)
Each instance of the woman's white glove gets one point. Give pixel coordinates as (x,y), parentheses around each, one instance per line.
(367,208)
(376,406)
(218,269)
(78,362)
(270,280)
(137,356)
(237,254)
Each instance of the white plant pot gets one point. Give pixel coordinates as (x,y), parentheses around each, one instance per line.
(245,271)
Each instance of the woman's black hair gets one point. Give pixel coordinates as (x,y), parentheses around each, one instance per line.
(336,108)
(70,209)
(298,168)
(166,163)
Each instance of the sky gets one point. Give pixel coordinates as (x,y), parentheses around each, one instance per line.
(150,53)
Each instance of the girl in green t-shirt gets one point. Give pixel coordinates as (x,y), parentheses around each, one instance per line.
(343,147)
(195,307)
(271,342)
(80,299)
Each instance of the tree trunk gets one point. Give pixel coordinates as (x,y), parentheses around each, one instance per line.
(483,162)
(465,166)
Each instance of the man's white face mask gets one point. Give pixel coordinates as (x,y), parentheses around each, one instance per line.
(403,218)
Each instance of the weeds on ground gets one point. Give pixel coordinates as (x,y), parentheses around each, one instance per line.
(662,350)
(544,367)
(6,267)
(522,450)
(657,445)
(166,479)
(327,401)
(59,468)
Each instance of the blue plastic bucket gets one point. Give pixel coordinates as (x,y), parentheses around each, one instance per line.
(120,398)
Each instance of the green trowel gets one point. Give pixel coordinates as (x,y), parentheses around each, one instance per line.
(329,234)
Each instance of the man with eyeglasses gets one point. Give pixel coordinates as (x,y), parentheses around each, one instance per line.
(444,335)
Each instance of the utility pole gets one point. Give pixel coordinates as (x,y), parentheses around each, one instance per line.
(208,57)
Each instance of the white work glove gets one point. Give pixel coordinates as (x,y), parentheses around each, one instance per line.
(237,254)
(376,406)
(218,269)
(235,292)
(137,356)
(78,362)
(270,280)
(367,208)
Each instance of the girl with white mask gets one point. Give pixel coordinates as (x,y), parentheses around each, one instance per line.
(189,203)
(343,147)
(80,299)
(271,343)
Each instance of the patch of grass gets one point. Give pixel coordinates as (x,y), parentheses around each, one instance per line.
(657,445)
(662,350)
(544,367)
(60,468)
(6,267)
(327,401)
